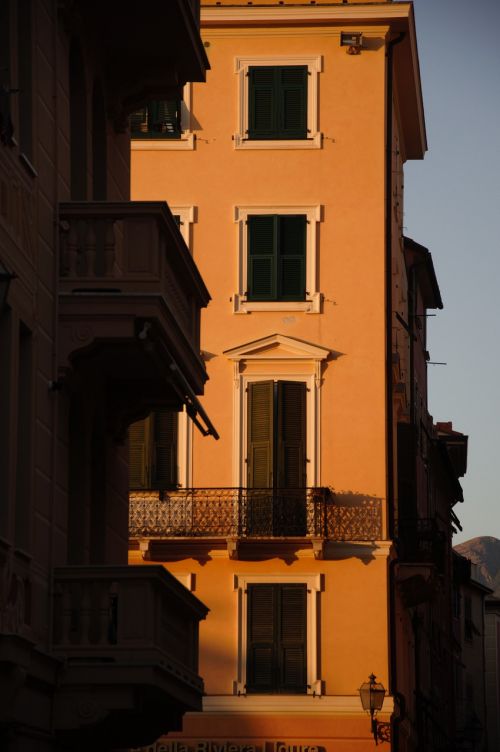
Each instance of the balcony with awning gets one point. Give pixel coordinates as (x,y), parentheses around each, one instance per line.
(130,297)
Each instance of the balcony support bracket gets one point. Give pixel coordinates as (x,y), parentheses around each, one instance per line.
(318,547)
(145,548)
(232,548)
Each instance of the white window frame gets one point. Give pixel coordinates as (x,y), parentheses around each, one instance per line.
(277,368)
(312,303)
(187,216)
(314,65)
(314,585)
(184,450)
(186,139)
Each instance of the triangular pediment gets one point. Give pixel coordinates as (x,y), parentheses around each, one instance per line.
(277,347)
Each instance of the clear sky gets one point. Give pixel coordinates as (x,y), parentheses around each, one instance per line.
(452,206)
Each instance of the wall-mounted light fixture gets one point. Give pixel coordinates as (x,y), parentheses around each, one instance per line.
(353,40)
(372,695)
(6,278)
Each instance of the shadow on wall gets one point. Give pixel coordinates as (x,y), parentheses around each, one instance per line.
(353,516)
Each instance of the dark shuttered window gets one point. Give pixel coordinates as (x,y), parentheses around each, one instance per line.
(276,257)
(277,107)
(157,119)
(138,437)
(276,434)
(153,451)
(277,639)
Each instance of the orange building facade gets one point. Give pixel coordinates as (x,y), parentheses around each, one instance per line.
(285,173)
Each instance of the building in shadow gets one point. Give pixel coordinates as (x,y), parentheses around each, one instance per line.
(99,323)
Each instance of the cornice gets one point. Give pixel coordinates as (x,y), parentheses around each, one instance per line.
(344,13)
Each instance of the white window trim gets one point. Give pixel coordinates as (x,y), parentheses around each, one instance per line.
(314,586)
(296,352)
(187,216)
(312,304)
(185,451)
(186,140)
(314,139)
(187,579)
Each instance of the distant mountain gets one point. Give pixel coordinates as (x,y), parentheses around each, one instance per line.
(485,552)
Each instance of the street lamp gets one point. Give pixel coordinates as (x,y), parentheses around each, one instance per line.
(372,695)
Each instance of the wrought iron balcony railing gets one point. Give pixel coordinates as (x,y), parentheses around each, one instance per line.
(253,513)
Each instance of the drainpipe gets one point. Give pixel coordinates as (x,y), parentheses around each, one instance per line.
(388,320)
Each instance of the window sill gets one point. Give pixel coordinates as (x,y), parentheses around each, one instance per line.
(186,142)
(311,305)
(313,142)
(289,704)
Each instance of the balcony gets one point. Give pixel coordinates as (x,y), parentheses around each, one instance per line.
(128,637)
(252,514)
(144,55)
(129,299)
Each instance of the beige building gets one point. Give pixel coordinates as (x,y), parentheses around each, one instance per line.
(475,721)
(99,323)
(318,529)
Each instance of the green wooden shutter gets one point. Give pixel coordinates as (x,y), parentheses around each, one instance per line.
(260,434)
(277,638)
(277,104)
(263,102)
(291,257)
(139,454)
(262,245)
(292,87)
(165,430)
(261,638)
(292,638)
(164,118)
(291,434)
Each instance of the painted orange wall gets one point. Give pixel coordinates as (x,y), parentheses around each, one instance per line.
(346,177)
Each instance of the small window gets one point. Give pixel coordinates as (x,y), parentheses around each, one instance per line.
(278,625)
(277,639)
(158,119)
(276,257)
(277,104)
